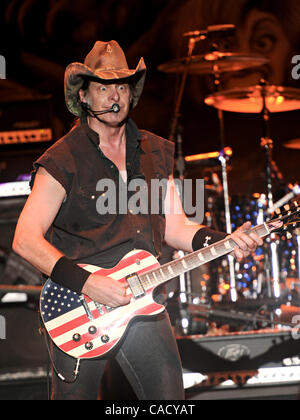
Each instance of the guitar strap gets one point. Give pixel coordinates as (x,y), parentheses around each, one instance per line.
(149,173)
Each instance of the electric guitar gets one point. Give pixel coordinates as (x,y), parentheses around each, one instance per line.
(85,329)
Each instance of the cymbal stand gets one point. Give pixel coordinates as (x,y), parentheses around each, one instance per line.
(191,46)
(267,145)
(232,279)
(272,261)
(184,279)
(223,160)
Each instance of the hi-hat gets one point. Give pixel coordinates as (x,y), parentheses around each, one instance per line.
(250,99)
(212,63)
(293,144)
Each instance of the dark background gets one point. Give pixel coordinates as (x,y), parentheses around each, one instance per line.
(40,38)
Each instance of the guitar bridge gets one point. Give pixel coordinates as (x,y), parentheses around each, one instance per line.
(135,285)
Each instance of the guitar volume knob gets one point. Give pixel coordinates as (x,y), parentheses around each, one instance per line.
(76,338)
(93,330)
(89,345)
(105,338)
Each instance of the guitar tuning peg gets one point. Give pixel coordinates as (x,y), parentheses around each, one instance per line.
(278,212)
(287,207)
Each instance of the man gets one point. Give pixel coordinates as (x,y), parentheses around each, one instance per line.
(60,226)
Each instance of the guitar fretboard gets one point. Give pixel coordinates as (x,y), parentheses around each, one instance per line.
(191,261)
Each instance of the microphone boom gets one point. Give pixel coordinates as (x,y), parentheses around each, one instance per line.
(115,108)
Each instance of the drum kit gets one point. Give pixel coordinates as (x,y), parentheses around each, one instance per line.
(274,270)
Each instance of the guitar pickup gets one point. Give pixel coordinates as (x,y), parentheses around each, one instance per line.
(135,285)
(86,307)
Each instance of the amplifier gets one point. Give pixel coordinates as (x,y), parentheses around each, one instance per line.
(26,136)
(25,120)
(26,131)
(14,189)
(25,113)
(240,361)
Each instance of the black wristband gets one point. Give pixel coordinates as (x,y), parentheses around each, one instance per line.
(69,275)
(205,237)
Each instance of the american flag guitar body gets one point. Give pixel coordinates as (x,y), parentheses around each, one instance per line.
(86,329)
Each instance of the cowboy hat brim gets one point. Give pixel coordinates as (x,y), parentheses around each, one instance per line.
(76,73)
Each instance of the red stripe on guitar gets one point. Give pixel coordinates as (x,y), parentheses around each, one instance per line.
(146,310)
(71,345)
(142,271)
(75,323)
(99,351)
(122,264)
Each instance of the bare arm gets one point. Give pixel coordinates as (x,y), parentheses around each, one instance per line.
(29,241)
(180,231)
(37,216)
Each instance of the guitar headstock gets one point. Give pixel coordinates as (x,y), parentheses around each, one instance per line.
(286,219)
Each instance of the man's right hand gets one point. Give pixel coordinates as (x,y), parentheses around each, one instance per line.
(106,291)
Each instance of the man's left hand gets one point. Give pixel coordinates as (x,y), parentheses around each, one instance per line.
(246,243)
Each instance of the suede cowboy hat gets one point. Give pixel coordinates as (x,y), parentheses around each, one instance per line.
(106,62)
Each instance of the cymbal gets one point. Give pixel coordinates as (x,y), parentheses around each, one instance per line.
(250,99)
(215,62)
(293,144)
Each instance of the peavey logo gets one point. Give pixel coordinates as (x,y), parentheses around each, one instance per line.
(233,352)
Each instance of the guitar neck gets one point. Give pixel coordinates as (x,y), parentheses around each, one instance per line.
(194,260)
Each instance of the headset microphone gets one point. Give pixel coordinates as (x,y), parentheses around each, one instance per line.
(114,108)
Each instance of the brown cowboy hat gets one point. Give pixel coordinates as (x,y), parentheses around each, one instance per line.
(106,62)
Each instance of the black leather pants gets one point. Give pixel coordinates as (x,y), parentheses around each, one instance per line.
(148,357)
